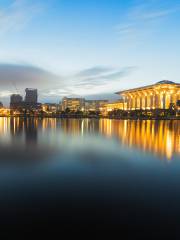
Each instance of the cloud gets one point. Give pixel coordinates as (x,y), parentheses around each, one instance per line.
(95,80)
(23,76)
(100,75)
(93,71)
(51,87)
(16,15)
(144,16)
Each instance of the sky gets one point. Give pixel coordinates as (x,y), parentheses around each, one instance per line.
(89,48)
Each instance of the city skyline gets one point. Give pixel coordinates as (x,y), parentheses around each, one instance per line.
(158,100)
(85,48)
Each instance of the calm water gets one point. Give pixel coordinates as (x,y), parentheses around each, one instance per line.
(43,139)
(105,170)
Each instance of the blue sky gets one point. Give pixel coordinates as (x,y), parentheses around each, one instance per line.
(85,48)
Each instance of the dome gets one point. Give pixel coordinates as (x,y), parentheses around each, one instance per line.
(165,82)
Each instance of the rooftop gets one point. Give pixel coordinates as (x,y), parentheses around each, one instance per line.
(150,86)
(165,82)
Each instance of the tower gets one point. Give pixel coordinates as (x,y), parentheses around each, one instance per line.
(31,95)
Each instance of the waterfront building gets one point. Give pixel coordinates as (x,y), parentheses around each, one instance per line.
(73,104)
(31,95)
(50,107)
(31,100)
(1,105)
(30,103)
(161,95)
(16,98)
(95,105)
(60,106)
(16,101)
(112,106)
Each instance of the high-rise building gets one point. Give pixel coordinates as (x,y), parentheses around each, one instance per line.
(31,95)
(1,105)
(30,103)
(16,98)
(16,101)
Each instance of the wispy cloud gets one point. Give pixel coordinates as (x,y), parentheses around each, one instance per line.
(96,76)
(144,17)
(95,80)
(17,14)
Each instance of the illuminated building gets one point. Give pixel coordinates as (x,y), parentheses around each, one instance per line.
(94,105)
(73,104)
(112,106)
(50,107)
(4,112)
(178,105)
(161,95)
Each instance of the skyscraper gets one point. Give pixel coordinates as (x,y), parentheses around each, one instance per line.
(31,95)
(16,101)
(16,98)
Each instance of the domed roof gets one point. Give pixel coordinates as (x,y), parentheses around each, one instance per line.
(165,82)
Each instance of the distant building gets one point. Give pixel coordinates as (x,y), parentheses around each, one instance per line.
(178,103)
(1,105)
(94,105)
(50,107)
(161,95)
(16,98)
(112,106)
(31,99)
(60,106)
(30,103)
(16,101)
(31,95)
(73,104)
(178,106)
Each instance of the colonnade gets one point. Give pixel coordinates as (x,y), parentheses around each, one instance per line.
(150,99)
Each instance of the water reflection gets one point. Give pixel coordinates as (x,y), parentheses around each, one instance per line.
(159,137)
(19,141)
(37,137)
(89,170)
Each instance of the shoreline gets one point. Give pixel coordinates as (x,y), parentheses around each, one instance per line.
(95,117)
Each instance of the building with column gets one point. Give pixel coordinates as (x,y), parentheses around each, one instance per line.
(161,95)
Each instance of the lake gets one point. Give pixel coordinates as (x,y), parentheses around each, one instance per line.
(158,140)
(90,170)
